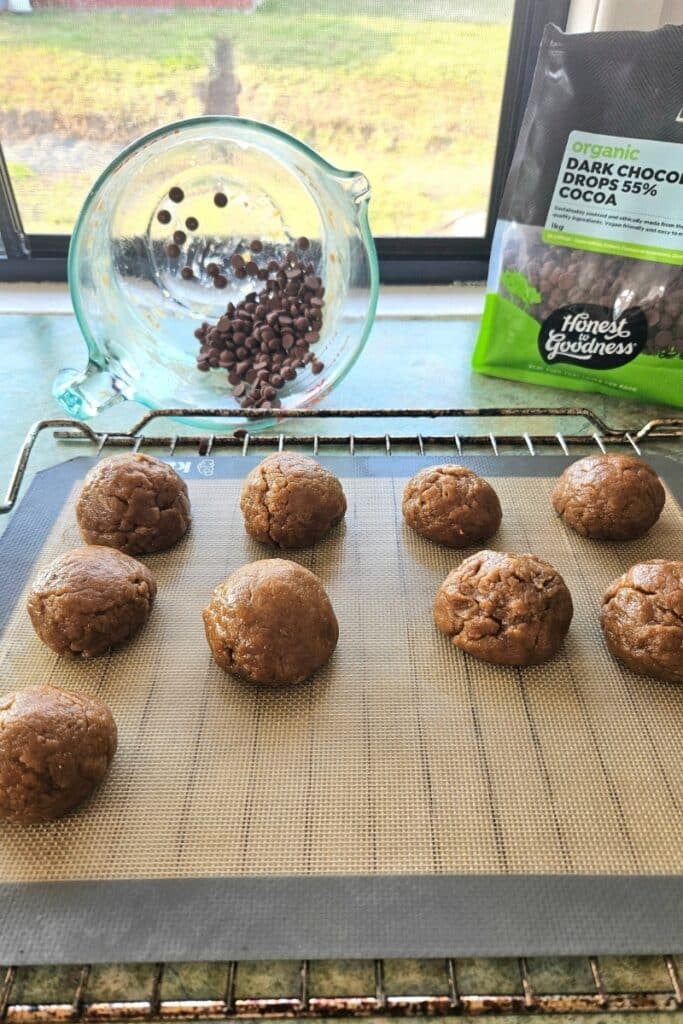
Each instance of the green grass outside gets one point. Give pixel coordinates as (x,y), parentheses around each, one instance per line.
(413,103)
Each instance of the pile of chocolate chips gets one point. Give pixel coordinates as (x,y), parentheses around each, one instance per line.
(263,340)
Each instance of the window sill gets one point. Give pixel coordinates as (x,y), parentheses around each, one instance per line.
(436,302)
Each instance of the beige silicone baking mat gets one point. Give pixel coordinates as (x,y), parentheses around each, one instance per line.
(403,755)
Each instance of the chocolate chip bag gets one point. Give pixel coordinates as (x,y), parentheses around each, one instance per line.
(585,286)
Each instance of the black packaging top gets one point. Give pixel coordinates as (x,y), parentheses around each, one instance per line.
(625,84)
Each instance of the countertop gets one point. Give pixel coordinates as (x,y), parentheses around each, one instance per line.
(417,363)
(408,363)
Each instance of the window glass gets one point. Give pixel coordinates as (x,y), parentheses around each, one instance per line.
(407,91)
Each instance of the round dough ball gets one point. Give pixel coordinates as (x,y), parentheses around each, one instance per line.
(55,749)
(291,501)
(505,608)
(271,622)
(642,619)
(89,600)
(135,503)
(451,505)
(609,497)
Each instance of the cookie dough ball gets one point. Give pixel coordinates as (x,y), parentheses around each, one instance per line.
(135,503)
(55,749)
(642,619)
(609,497)
(451,505)
(271,622)
(291,501)
(90,600)
(506,608)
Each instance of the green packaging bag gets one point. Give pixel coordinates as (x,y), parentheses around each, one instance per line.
(585,286)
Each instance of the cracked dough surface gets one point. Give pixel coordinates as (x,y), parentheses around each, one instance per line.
(506,608)
(135,503)
(89,600)
(642,619)
(609,497)
(291,501)
(271,622)
(451,505)
(55,749)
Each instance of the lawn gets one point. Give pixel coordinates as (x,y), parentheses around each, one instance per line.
(412,101)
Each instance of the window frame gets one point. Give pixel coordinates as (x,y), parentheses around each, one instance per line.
(403,259)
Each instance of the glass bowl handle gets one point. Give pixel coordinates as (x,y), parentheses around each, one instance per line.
(358,187)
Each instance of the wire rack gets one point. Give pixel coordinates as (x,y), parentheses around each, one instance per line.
(306,1003)
(243,440)
(448,1000)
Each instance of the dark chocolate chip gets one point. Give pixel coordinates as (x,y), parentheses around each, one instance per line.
(191,223)
(220,199)
(176,194)
(164,217)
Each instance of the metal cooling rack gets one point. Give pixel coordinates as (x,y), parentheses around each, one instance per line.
(243,440)
(306,1004)
(225,1005)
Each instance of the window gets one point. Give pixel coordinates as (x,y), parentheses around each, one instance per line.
(408,91)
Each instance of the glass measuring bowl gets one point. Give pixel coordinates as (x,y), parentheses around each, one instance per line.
(137,312)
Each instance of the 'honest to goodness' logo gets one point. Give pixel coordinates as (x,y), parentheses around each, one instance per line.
(587,334)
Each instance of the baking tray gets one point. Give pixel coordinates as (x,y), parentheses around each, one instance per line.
(416,733)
